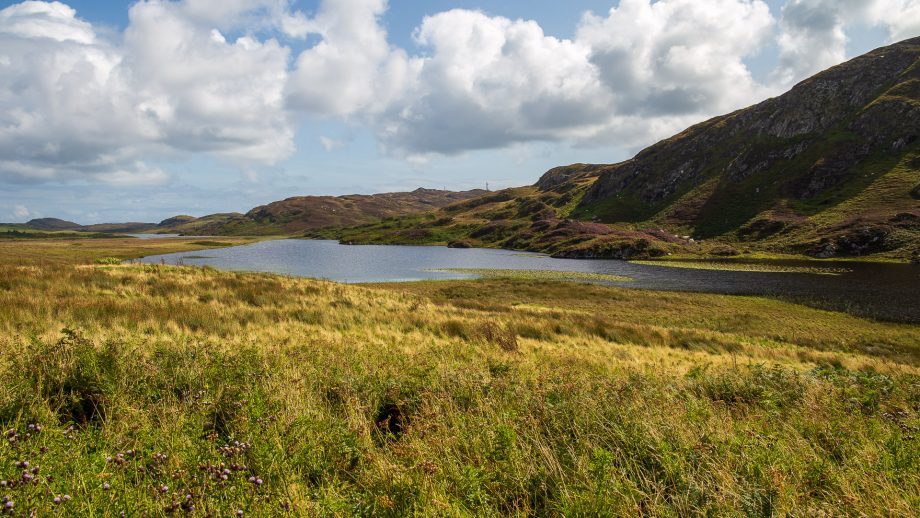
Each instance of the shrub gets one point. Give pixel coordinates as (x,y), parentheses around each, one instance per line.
(72,376)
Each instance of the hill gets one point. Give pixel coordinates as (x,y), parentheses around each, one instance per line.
(831,168)
(298,214)
(52,224)
(287,217)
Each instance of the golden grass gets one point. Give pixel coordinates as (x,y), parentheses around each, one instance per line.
(83,251)
(409,399)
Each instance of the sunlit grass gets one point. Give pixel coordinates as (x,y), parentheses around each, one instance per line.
(157,389)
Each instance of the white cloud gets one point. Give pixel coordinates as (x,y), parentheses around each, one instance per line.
(902,17)
(331,144)
(203,93)
(218,77)
(814,32)
(74,105)
(253,15)
(353,70)
(52,20)
(639,72)
(21,212)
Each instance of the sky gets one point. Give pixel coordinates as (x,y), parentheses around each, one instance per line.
(115,111)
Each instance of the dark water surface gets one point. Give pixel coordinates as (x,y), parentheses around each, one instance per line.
(887,291)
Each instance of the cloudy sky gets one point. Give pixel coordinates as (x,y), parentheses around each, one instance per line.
(122,110)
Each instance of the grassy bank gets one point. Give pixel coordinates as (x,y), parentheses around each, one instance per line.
(171,390)
(46,252)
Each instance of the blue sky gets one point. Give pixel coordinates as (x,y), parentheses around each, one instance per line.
(481,92)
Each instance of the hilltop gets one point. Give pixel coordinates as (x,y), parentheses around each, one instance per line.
(831,168)
(301,213)
(286,217)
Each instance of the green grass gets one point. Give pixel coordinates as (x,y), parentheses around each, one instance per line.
(499,397)
(736,266)
(537,275)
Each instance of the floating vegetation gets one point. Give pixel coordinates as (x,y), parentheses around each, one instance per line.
(746,267)
(212,243)
(536,275)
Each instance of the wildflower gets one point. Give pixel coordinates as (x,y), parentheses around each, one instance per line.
(164,489)
(67,498)
(106,486)
(239,512)
(57,500)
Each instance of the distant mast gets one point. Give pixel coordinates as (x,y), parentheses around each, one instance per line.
(487,186)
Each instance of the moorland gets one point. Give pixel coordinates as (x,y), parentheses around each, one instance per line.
(161,389)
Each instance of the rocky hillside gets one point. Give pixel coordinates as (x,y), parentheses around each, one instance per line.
(312,212)
(831,168)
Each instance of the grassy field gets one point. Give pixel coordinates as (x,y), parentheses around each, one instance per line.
(172,390)
(46,252)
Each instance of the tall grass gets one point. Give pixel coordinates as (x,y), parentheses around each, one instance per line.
(166,390)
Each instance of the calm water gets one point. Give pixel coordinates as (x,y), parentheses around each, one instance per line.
(889,291)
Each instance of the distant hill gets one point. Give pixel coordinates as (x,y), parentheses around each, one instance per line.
(831,168)
(287,217)
(120,228)
(52,224)
(298,214)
